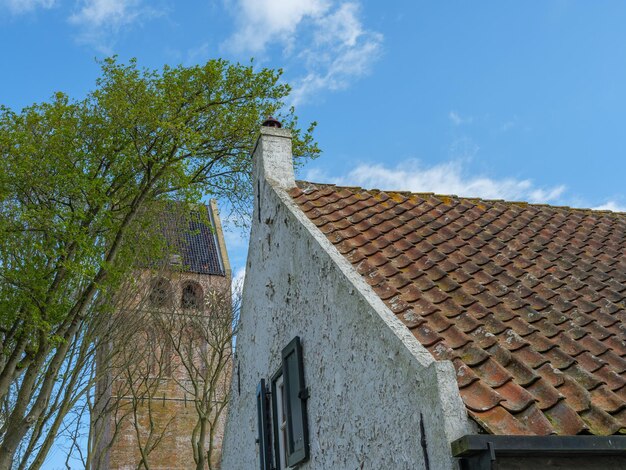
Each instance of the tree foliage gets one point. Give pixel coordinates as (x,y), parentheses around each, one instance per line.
(79,184)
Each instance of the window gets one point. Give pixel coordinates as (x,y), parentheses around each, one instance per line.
(191,296)
(279,416)
(160,293)
(288,397)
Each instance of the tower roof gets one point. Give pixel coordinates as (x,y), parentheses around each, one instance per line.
(194,235)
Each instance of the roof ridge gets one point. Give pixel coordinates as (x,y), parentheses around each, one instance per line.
(607,212)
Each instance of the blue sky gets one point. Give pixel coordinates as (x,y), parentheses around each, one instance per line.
(520,100)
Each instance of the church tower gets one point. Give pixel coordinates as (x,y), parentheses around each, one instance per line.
(161,392)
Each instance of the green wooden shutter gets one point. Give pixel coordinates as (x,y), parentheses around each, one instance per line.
(263,423)
(295,399)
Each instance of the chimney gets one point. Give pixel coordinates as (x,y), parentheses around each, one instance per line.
(272,155)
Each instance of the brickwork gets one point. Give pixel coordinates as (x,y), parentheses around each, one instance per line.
(159,415)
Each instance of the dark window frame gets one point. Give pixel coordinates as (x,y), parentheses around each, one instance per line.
(275,423)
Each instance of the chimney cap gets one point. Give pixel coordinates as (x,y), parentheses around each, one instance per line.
(272,122)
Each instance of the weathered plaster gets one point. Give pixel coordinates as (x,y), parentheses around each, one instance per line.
(371,382)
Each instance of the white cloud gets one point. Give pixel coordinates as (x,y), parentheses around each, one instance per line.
(341,52)
(611,206)
(97,13)
(25,6)
(262,21)
(100,20)
(341,26)
(324,37)
(545,195)
(445,178)
(457,119)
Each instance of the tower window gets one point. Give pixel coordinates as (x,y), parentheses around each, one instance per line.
(160,293)
(191,296)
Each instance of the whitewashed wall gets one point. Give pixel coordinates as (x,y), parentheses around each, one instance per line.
(370,381)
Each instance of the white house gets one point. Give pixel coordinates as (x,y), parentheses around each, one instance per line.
(400,330)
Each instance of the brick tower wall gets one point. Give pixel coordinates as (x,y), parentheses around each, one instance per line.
(171,413)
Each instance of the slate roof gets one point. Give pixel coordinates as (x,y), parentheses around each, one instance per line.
(527,301)
(190,234)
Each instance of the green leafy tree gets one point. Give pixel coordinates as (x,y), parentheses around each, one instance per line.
(80,185)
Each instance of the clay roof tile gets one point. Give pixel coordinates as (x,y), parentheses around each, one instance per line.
(527,301)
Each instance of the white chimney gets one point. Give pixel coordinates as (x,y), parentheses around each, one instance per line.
(272,156)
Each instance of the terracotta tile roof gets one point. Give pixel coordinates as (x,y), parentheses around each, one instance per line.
(527,301)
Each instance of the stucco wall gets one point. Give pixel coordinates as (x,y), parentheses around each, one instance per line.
(370,381)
